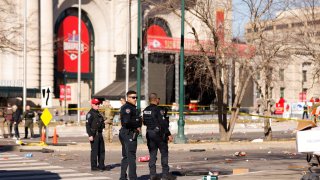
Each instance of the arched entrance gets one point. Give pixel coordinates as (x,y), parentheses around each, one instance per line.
(66,56)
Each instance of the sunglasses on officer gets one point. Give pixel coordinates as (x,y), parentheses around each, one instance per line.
(133,97)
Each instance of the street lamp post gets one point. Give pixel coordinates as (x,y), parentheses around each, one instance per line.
(181,139)
(65,91)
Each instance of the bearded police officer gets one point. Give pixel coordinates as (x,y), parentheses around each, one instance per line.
(158,135)
(94,126)
(131,124)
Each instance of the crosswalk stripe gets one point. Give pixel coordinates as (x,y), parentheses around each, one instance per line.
(12,158)
(17,161)
(7,155)
(19,173)
(16,167)
(88,178)
(23,164)
(45,176)
(32,168)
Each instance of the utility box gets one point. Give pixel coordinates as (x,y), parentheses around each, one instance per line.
(308,140)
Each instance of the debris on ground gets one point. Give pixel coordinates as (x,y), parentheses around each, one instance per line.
(289,153)
(197,150)
(228,160)
(144,158)
(240,153)
(43,150)
(28,155)
(257,140)
(240,171)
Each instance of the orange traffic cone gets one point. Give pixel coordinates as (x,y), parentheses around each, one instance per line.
(43,136)
(55,137)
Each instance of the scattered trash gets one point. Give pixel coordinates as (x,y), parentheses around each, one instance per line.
(197,150)
(178,167)
(209,177)
(144,158)
(240,153)
(206,159)
(29,155)
(289,153)
(228,160)
(257,140)
(269,152)
(215,173)
(240,171)
(43,150)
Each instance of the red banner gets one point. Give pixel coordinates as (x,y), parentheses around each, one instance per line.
(302,96)
(68,38)
(160,43)
(220,25)
(67,93)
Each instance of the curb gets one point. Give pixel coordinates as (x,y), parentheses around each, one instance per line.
(214,146)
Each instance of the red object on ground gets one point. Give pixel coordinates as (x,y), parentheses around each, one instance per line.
(144,158)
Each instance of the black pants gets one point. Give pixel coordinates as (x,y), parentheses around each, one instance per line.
(97,151)
(16,130)
(155,142)
(41,127)
(10,126)
(305,114)
(129,150)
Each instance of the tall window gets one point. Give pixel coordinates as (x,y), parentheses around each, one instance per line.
(281,74)
(282,92)
(258,93)
(304,76)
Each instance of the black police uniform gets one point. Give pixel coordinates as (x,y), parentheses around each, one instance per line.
(157,122)
(130,121)
(95,125)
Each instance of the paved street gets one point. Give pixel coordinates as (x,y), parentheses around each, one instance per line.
(265,160)
(261,164)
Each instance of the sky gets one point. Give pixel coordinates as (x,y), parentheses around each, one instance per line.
(240,18)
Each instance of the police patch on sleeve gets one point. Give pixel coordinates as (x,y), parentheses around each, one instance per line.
(128,111)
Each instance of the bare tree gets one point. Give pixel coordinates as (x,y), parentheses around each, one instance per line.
(10,26)
(211,67)
(272,50)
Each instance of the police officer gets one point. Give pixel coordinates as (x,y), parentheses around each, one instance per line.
(158,135)
(28,122)
(131,124)
(94,126)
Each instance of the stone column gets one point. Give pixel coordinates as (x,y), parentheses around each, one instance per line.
(33,63)
(46,43)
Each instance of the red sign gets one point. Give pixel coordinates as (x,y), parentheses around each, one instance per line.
(68,38)
(160,43)
(279,108)
(220,25)
(302,96)
(67,93)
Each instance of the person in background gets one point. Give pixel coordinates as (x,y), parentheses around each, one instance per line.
(40,122)
(28,121)
(108,120)
(16,116)
(305,111)
(94,127)
(8,111)
(2,122)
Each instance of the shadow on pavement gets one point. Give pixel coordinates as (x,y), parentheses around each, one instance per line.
(28,174)
(6,148)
